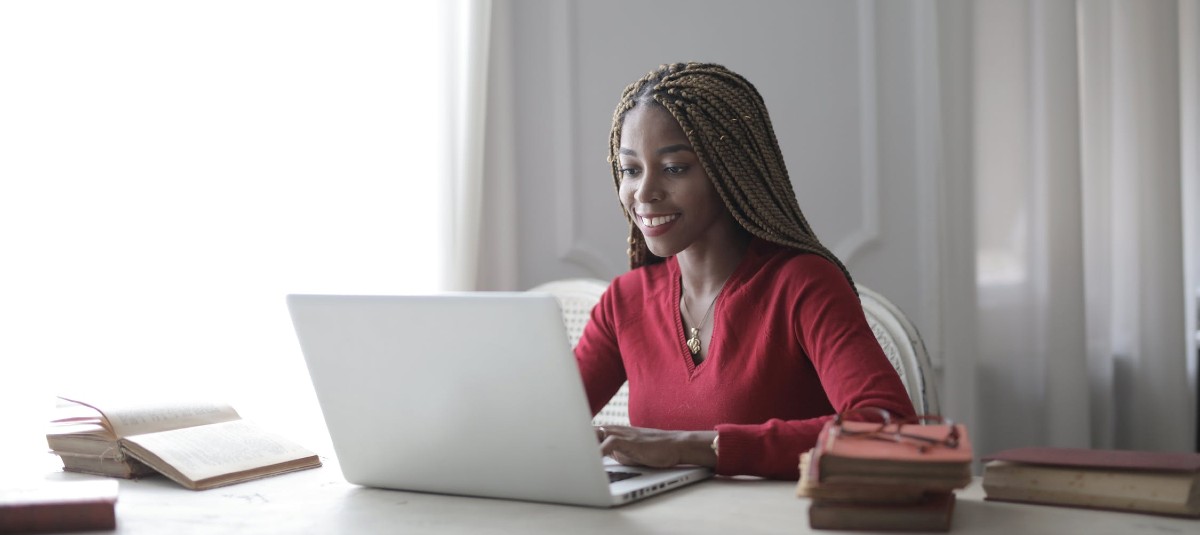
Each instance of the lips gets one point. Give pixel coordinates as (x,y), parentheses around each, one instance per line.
(656,225)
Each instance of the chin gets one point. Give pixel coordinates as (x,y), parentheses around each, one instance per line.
(660,250)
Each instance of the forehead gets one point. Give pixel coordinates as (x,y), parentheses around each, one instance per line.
(649,126)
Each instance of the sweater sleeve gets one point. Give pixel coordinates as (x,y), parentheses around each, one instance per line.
(830,327)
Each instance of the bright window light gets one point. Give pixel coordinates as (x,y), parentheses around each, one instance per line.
(169,171)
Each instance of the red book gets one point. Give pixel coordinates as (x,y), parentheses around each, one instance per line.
(917,456)
(54,506)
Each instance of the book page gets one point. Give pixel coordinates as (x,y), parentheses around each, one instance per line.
(136,417)
(91,431)
(204,452)
(69,412)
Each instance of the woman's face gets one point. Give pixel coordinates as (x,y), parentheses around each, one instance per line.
(663,186)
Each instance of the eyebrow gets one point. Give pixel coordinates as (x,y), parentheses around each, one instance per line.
(665,150)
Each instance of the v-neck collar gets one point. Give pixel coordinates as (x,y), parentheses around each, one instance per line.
(731,285)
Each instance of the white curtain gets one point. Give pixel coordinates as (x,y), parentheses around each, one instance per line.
(169,171)
(1079,149)
(469,85)
(498,257)
(1189,84)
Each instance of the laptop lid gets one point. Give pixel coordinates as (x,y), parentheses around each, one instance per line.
(473,393)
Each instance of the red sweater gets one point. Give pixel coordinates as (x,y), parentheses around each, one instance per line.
(790,348)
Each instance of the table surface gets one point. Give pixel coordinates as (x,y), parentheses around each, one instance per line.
(321,501)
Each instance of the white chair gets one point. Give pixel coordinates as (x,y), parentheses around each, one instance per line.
(576,297)
(896,335)
(904,348)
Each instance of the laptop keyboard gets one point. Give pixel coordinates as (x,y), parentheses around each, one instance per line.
(614,477)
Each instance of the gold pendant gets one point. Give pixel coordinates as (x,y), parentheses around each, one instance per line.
(693,343)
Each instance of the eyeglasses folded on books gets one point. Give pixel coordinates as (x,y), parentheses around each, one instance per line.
(871,446)
(924,431)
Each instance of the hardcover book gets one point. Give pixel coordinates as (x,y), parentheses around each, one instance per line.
(126,468)
(933,513)
(861,457)
(807,487)
(198,444)
(1139,481)
(46,506)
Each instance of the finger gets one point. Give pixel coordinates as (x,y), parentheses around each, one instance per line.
(619,431)
(621,450)
(612,449)
(611,446)
(601,434)
(625,459)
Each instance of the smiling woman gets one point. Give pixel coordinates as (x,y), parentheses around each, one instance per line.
(739,334)
(175,169)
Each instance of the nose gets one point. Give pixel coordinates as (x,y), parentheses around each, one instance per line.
(650,188)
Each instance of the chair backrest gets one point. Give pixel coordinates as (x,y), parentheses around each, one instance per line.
(576,297)
(896,335)
(904,348)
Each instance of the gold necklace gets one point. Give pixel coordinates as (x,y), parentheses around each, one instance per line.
(693,341)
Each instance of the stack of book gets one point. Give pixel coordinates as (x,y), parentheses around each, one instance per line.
(1165,483)
(861,477)
(79,436)
(198,444)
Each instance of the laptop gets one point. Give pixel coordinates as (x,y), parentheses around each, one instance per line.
(474,394)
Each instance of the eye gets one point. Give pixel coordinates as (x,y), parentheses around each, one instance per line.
(675,169)
(629,172)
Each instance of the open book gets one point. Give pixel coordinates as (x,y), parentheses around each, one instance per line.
(198,444)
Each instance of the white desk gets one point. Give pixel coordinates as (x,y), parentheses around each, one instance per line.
(320,501)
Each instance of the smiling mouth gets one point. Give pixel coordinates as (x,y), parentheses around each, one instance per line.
(651,222)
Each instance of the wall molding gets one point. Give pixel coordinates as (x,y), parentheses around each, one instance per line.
(571,248)
(868,131)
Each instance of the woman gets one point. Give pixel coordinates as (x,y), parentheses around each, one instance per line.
(739,333)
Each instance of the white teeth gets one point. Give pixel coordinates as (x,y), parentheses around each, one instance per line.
(656,221)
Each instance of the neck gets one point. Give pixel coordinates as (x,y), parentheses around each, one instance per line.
(704,270)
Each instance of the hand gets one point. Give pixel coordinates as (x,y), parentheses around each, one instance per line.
(656,448)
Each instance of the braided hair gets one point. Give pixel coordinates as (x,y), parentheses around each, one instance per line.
(726,121)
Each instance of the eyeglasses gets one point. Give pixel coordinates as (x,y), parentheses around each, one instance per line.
(884,427)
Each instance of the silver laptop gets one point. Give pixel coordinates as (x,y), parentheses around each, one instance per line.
(474,394)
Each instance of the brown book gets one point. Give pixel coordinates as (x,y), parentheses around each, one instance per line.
(860,479)
(198,444)
(884,459)
(84,445)
(55,506)
(1140,481)
(129,468)
(934,513)
(807,487)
